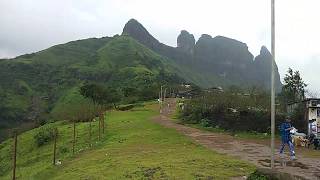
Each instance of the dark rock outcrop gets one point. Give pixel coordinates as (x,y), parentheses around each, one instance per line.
(262,70)
(186,42)
(218,61)
(138,32)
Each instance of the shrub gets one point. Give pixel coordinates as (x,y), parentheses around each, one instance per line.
(126,107)
(44,135)
(63,149)
(257,176)
(230,112)
(205,123)
(298,117)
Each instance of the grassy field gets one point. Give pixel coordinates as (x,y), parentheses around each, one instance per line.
(133,147)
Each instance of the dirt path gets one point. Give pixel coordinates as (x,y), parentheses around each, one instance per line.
(256,153)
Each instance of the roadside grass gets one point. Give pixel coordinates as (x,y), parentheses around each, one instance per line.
(133,147)
(237,134)
(260,138)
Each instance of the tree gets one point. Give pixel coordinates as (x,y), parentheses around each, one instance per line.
(293,89)
(100,95)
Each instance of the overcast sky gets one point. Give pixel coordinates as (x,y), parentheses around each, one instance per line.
(31,25)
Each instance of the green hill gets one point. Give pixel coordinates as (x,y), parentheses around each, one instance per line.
(133,147)
(32,85)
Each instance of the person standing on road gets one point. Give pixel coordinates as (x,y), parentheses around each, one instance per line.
(286,138)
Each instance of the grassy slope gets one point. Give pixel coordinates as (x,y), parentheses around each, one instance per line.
(134,147)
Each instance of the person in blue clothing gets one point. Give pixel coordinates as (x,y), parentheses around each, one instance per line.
(285,128)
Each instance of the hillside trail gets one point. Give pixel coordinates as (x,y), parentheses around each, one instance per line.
(249,150)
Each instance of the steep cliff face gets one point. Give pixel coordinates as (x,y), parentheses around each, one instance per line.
(215,61)
(186,42)
(226,57)
(138,32)
(262,69)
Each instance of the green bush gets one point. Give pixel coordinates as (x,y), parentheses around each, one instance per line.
(63,149)
(230,112)
(44,135)
(257,176)
(126,107)
(205,123)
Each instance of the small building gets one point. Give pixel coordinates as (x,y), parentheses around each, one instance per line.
(312,114)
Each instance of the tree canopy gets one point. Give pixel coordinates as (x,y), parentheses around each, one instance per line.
(293,89)
(100,95)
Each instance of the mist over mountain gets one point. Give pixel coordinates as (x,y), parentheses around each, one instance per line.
(214,61)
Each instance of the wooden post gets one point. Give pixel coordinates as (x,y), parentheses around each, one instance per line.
(99,126)
(160,102)
(74,136)
(15,139)
(90,132)
(55,146)
(103,121)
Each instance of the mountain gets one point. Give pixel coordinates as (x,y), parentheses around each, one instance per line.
(218,61)
(41,86)
(38,87)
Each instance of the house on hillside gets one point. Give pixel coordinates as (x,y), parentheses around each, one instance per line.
(312,114)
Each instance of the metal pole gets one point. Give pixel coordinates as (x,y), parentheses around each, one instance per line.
(272,81)
(14,154)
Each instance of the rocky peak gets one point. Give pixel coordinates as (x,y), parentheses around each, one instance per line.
(136,30)
(205,37)
(186,41)
(264,51)
(262,66)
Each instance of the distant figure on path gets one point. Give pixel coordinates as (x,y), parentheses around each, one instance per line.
(286,138)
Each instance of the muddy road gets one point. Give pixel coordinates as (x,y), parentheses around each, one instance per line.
(257,153)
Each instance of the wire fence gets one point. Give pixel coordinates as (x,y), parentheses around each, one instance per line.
(67,139)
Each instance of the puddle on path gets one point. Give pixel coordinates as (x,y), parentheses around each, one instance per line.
(283,163)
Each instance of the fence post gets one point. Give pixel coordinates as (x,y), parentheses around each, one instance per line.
(99,126)
(15,139)
(104,116)
(55,145)
(74,136)
(90,132)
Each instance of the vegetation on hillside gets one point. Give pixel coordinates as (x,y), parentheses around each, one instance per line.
(246,109)
(232,110)
(121,153)
(38,87)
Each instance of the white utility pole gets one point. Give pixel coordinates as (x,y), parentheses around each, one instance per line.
(272,81)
